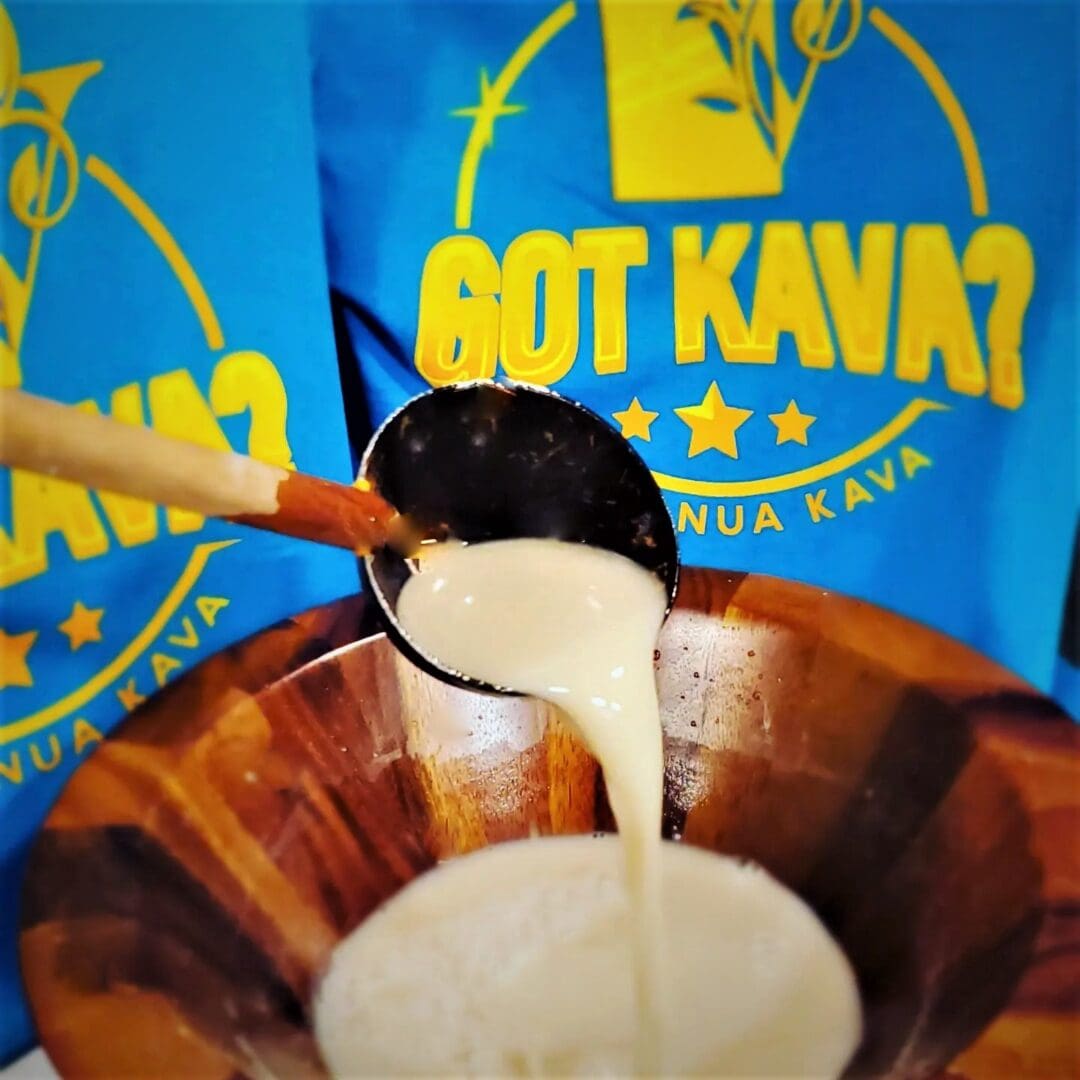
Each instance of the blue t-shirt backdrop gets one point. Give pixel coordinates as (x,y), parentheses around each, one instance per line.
(161,262)
(817,261)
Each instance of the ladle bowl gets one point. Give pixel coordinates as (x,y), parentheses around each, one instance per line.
(494,461)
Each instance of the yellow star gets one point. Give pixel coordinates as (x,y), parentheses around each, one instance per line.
(490,108)
(129,697)
(713,424)
(14,671)
(791,425)
(635,421)
(82,625)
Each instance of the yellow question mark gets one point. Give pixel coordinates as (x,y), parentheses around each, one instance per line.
(1001,254)
(248,380)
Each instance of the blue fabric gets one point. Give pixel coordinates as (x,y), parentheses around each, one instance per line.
(203,112)
(969,528)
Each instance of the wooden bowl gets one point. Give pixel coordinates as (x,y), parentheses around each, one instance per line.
(186,890)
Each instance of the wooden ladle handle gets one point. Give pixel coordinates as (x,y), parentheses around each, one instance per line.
(45,437)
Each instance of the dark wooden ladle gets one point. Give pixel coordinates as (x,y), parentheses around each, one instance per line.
(476,461)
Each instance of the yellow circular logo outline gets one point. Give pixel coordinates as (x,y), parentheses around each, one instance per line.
(493,105)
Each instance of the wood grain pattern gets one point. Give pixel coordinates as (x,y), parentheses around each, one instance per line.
(311,508)
(188,886)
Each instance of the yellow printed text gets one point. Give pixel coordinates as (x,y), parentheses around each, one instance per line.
(833,295)
(88,522)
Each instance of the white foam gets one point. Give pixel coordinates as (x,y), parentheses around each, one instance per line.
(515,961)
